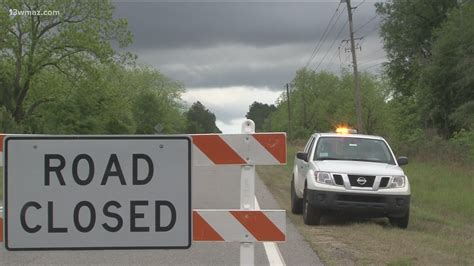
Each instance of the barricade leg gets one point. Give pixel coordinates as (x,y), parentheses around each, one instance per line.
(247,197)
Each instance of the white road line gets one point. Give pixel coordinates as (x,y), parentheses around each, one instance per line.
(271,248)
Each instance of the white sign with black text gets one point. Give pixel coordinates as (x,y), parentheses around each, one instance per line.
(97,192)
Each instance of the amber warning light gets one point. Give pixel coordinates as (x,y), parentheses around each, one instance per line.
(345,130)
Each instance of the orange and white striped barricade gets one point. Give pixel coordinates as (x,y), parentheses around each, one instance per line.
(239,225)
(239,149)
(247,225)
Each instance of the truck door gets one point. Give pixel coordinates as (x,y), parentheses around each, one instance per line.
(303,166)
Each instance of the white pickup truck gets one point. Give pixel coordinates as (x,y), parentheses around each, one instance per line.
(350,173)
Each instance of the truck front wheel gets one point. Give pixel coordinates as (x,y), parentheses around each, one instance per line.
(311,214)
(296,203)
(401,222)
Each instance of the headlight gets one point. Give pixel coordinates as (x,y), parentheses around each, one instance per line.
(323,177)
(398,182)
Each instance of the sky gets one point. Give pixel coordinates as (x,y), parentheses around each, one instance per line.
(229,54)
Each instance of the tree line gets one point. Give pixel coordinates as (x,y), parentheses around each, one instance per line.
(425,96)
(71,74)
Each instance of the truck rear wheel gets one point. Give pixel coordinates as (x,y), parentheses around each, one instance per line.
(296,203)
(311,214)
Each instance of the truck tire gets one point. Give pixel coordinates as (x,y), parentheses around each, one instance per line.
(296,203)
(311,214)
(400,222)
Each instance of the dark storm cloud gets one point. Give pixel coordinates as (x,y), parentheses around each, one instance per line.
(230,65)
(184,24)
(238,76)
(240,65)
(233,44)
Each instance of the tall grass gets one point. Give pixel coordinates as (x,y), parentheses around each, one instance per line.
(441,228)
(443,191)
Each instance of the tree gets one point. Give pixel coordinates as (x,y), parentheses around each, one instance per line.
(110,100)
(321,101)
(156,101)
(71,43)
(258,112)
(448,96)
(97,103)
(407,31)
(200,120)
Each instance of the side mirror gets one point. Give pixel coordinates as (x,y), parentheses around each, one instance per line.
(402,160)
(302,156)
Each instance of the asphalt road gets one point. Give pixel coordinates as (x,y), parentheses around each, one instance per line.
(213,188)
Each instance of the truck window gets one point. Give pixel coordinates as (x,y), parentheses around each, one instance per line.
(308,145)
(353,149)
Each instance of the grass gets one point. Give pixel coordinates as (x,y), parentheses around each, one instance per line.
(441,228)
(443,191)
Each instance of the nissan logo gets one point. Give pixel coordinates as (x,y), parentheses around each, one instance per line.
(361,180)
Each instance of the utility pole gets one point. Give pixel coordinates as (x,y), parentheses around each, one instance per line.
(358,98)
(303,101)
(289,110)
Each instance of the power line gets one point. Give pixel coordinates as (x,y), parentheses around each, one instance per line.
(336,52)
(339,55)
(367,34)
(372,60)
(361,3)
(337,37)
(365,24)
(332,27)
(362,40)
(334,55)
(372,66)
(324,36)
(376,27)
(313,54)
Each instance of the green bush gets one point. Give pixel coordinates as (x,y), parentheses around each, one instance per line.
(464,142)
(7,123)
(428,146)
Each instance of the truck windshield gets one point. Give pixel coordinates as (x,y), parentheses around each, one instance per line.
(353,149)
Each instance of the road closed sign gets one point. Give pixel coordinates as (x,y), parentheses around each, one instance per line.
(97,192)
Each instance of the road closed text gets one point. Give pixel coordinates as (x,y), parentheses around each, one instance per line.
(135,214)
(97,192)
